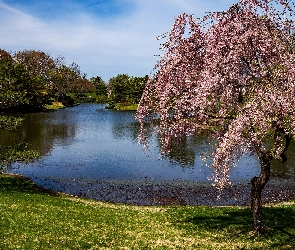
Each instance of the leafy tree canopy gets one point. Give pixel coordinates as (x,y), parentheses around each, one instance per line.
(99,85)
(124,88)
(29,78)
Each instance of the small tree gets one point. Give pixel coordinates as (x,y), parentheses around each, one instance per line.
(118,88)
(124,88)
(18,88)
(100,86)
(136,87)
(235,68)
(9,95)
(100,89)
(37,62)
(68,79)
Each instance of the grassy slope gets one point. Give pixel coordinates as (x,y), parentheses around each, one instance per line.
(32,218)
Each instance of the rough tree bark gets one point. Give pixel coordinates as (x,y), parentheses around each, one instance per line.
(257,186)
(258,183)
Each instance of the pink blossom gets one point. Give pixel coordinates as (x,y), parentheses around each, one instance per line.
(236,66)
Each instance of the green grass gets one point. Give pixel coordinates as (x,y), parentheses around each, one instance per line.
(33,218)
(122,107)
(54,106)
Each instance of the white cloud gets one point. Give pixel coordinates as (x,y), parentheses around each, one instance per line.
(123,44)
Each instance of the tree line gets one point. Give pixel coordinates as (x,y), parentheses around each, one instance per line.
(30,79)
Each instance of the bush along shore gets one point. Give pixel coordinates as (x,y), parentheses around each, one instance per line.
(35,218)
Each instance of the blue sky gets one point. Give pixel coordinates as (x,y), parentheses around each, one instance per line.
(105,37)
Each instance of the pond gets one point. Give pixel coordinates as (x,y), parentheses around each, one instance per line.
(90,144)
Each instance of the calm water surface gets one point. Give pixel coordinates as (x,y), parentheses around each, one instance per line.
(89,142)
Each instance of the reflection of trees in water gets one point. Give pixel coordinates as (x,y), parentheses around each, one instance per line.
(285,170)
(126,131)
(183,150)
(40,131)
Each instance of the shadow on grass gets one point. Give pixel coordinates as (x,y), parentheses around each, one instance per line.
(237,224)
(16,183)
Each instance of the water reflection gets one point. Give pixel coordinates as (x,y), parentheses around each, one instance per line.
(285,170)
(41,131)
(90,142)
(183,152)
(129,130)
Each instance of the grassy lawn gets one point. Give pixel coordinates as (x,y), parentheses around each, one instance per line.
(122,107)
(33,218)
(54,106)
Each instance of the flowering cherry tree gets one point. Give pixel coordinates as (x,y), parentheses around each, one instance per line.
(234,70)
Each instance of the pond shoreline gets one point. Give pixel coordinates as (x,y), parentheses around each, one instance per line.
(159,193)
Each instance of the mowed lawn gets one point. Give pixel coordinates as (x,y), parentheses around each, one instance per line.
(33,218)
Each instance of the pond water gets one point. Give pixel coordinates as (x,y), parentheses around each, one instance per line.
(90,143)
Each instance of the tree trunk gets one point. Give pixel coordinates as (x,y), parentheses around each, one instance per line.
(257,185)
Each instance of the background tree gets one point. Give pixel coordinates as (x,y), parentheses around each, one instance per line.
(118,88)
(39,66)
(126,89)
(100,89)
(53,77)
(38,63)
(68,79)
(8,97)
(137,85)
(99,85)
(234,69)
(27,80)
(18,89)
